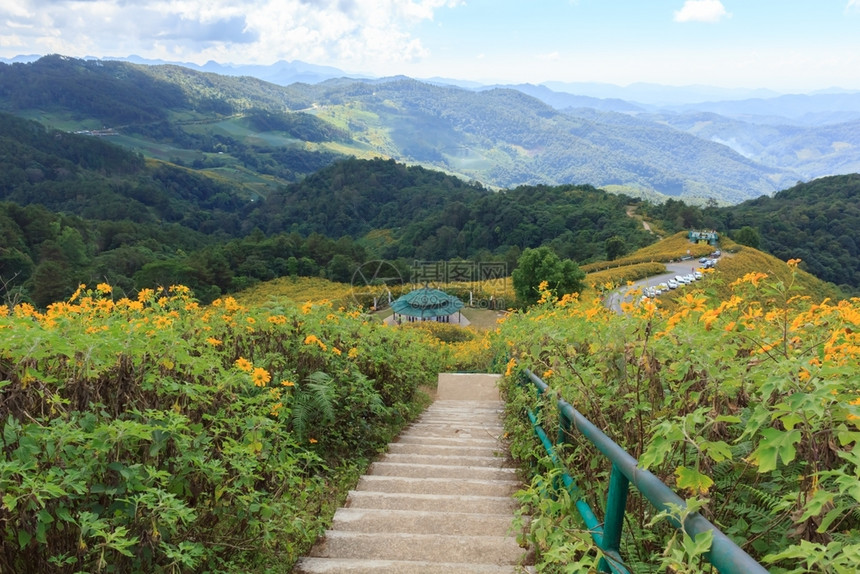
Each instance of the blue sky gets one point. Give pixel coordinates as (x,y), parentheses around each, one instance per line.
(784,45)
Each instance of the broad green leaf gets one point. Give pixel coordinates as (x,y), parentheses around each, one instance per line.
(692,480)
(10,501)
(64,514)
(24,538)
(717,450)
(776,444)
(728,419)
(816,504)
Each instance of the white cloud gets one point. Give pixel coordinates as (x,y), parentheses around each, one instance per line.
(703,11)
(550,57)
(853,6)
(358,33)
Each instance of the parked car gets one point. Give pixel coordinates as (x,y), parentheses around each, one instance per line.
(663,287)
(698,275)
(672,284)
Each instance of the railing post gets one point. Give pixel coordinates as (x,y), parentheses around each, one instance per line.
(726,556)
(616,504)
(563,427)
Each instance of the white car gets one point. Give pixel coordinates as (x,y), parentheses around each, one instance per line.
(672,284)
(698,275)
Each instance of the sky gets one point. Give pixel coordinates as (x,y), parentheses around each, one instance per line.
(794,46)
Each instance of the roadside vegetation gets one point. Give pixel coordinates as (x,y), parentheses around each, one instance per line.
(746,402)
(157,435)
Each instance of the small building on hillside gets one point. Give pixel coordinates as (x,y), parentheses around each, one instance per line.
(428,304)
(710,236)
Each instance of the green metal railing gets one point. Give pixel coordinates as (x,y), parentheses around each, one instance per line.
(725,555)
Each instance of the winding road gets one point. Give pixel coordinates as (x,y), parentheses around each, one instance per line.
(678,268)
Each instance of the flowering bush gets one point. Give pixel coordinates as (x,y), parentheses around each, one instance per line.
(155,434)
(747,404)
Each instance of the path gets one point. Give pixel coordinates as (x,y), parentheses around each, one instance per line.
(631,212)
(439,501)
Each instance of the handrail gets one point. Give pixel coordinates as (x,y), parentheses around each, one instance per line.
(726,556)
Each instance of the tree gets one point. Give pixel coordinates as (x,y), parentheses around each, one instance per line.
(748,236)
(542,264)
(615,247)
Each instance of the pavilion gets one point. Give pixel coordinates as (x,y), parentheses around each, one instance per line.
(428,304)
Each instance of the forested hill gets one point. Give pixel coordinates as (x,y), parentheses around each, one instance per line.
(815,221)
(500,137)
(429,215)
(96,179)
(79,209)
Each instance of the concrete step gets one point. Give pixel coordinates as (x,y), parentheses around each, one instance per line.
(347,566)
(415,438)
(439,501)
(432,502)
(461,423)
(390,468)
(411,485)
(495,550)
(468,387)
(434,432)
(442,460)
(482,450)
(371,520)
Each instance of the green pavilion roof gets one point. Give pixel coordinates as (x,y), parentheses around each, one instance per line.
(427,302)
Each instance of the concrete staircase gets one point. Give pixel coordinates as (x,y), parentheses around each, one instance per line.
(439,501)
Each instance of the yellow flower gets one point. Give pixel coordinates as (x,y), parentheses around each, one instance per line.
(261,376)
(213,341)
(104,288)
(288,383)
(277,319)
(250,320)
(793,262)
(77,293)
(276,408)
(312,440)
(180,289)
(353,353)
(244,364)
(311,339)
(336,351)
(547,374)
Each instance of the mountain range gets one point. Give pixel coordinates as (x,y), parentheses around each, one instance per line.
(502,136)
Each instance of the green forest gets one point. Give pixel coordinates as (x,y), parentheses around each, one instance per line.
(501,137)
(79,209)
(816,222)
(76,208)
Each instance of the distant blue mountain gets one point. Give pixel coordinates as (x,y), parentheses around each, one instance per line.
(658,94)
(565,100)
